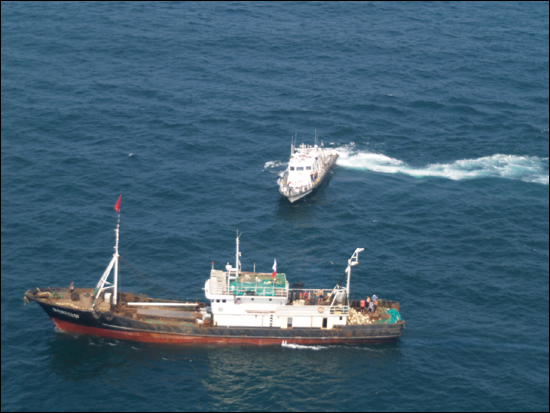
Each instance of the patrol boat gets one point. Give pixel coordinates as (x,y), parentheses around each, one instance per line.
(242,307)
(308,167)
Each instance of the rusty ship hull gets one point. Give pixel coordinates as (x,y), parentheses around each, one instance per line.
(125,324)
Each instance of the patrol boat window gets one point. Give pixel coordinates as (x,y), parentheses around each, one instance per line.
(299,168)
(308,168)
(291,168)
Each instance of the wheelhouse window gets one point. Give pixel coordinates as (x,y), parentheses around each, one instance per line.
(299,168)
(291,168)
(308,168)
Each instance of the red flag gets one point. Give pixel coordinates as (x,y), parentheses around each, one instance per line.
(274,269)
(117,206)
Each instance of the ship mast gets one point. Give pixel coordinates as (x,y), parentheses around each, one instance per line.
(237,256)
(352,262)
(115,257)
(103,284)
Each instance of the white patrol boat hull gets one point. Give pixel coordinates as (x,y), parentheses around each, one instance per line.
(295,196)
(308,168)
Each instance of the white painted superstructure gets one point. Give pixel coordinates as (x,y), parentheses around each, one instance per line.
(307,168)
(251,299)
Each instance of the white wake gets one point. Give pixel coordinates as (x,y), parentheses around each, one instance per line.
(524,168)
(274,164)
(302,347)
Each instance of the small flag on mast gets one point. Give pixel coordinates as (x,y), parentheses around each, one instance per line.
(274,268)
(117,206)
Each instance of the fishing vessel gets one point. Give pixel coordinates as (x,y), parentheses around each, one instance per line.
(308,168)
(240,307)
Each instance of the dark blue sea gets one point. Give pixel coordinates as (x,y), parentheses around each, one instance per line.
(440,112)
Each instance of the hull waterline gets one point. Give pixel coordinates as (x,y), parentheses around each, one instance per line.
(178,339)
(122,328)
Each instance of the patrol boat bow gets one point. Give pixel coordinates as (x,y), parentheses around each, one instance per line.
(308,168)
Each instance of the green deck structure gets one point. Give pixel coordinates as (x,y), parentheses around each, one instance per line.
(266,286)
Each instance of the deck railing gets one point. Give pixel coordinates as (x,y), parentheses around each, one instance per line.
(339,309)
(306,296)
(256,291)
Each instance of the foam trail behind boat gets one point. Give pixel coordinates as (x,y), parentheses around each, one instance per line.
(302,347)
(524,168)
(274,164)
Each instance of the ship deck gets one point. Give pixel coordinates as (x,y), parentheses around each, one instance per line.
(82,299)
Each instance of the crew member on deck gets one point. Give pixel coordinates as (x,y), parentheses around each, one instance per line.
(370,304)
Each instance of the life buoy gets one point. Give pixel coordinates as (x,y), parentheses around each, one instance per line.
(321,310)
(107,316)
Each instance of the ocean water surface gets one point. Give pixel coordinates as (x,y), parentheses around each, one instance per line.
(440,113)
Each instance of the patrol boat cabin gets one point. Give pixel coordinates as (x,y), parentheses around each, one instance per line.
(307,169)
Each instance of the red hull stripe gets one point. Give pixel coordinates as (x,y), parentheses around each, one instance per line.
(146,337)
